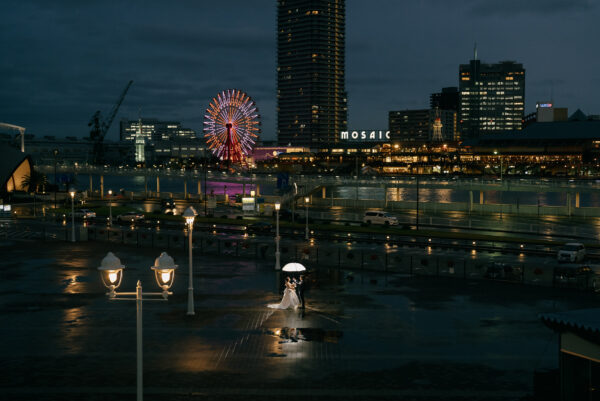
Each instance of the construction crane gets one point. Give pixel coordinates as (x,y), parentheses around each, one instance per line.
(101,126)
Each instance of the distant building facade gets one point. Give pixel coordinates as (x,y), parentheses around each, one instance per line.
(546,112)
(418,125)
(311,92)
(447,99)
(181,149)
(154,130)
(410,125)
(492,98)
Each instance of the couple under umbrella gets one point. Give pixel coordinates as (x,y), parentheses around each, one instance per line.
(293,294)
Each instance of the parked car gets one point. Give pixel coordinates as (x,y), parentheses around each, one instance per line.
(167,206)
(84,214)
(377,217)
(571,252)
(130,217)
(260,227)
(575,275)
(502,271)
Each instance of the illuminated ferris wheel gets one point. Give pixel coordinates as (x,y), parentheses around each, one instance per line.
(231,125)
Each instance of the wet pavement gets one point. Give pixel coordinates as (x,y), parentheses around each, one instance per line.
(363,335)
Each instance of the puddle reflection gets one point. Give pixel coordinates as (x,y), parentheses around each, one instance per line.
(293,335)
(74,331)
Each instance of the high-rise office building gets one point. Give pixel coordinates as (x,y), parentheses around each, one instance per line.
(154,130)
(311,92)
(492,98)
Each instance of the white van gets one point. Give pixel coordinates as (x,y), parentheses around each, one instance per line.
(377,217)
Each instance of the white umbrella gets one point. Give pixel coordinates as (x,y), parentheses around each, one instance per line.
(294,267)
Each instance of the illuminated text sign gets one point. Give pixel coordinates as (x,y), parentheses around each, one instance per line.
(370,136)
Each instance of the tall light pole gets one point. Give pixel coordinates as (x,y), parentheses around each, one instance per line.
(72,193)
(109,207)
(495,153)
(205,194)
(55,152)
(189,215)
(277,253)
(417,202)
(306,200)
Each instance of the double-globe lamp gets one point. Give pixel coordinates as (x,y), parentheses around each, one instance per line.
(111,272)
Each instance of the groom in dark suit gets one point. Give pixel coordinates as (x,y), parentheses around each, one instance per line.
(300,290)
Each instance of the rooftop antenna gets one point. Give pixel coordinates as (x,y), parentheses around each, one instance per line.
(475,51)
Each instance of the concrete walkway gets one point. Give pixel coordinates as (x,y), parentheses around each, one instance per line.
(363,336)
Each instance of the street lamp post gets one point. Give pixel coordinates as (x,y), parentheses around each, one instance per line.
(110,207)
(55,151)
(111,272)
(72,193)
(277,253)
(417,202)
(306,200)
(189,215)
(496,153)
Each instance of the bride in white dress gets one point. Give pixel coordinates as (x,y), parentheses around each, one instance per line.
(290,299)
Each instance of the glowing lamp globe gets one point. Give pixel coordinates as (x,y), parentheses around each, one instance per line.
(164,270)
(111,272)
(277,206)
(189,215)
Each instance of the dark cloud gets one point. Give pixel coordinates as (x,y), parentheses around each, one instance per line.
(486,8)
(64,60)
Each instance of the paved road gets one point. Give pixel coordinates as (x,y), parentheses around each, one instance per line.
(363,335)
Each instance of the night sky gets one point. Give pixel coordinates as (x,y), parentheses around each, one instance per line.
(63,60)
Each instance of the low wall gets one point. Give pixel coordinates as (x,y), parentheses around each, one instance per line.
(476,208)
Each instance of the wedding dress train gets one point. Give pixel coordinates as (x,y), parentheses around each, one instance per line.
(289,300)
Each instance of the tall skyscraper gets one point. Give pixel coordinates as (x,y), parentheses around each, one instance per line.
(492,97)
(311,91)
